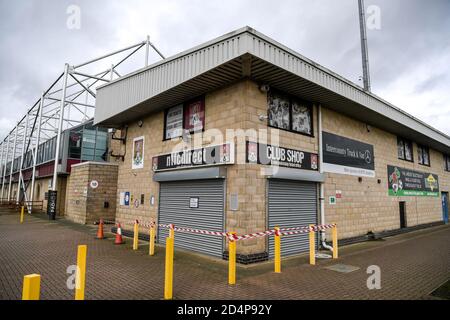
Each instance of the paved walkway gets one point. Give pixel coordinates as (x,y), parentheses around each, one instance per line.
(412,266)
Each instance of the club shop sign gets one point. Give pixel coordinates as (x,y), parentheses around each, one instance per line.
(207,156)
(279,156)
(405,182)
(346,156)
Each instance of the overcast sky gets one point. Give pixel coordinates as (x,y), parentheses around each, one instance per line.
(409,53)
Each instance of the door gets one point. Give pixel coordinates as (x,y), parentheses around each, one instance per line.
(445,206)
(402,214)
(291,204)
(195,204)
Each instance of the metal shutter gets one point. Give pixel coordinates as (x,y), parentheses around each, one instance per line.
(174,208)
(291,204)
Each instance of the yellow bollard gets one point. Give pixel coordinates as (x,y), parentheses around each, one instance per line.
(21,214)
(335,242)
(172,231)
(151,250)
(136,235)
(232,261)
(277,250)
(312,246)
(80,280)
(31,287)
(168,281)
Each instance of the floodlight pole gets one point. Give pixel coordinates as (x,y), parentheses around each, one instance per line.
(364,51)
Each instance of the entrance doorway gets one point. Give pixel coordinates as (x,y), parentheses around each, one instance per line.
(402,207)
(445,205)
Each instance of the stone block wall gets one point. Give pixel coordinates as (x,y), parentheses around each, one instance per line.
(85,203)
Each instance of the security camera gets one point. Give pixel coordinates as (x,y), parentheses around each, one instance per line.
(263,117)
(264,88)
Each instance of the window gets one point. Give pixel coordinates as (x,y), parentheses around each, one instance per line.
(447,162)
(75,143)
(289,114)
(174,122)
(404,149)
(424,155)
(189,117)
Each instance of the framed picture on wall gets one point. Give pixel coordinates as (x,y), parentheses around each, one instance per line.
(174,122)
(138,153)
(194,115)
(301,117)
(279,115)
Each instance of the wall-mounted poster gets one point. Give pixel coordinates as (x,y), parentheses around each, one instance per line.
(405,182)
(138,153)
(194,116)
(301,117)
(279,114)
(127,198)
(174,122)
(122,198)
(347,156)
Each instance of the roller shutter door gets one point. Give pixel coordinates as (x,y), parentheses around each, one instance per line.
(291,204)
(174,207)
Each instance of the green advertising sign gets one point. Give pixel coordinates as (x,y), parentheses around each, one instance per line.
(405,182)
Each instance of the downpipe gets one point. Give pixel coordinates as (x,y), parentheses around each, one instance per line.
(323,239)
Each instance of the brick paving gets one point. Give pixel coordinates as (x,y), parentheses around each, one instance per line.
(412,266)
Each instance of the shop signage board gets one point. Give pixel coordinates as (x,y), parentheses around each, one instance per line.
(405,182)
(207,156)
(347,156)
(279,156)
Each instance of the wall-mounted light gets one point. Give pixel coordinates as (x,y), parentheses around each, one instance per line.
(359,179)
(368,128)
(264,88)
(263,117)
(379,181)
(140,123)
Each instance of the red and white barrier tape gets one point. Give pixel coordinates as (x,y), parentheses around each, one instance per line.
(234,237)
(213,233)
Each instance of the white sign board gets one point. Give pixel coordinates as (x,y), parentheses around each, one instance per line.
(193,202)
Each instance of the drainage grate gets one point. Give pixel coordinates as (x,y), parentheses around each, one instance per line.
(443,291)
(343,268)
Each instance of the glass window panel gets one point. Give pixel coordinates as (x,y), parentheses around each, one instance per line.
(419,154)
(278,109)
(425,156)
(301,117)
(174,122)
(400,149)
(408,151)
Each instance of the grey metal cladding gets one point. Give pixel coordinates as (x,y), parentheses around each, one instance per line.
(207,65)
(137,87)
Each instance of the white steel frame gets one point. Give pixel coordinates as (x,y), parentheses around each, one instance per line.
(57,110)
